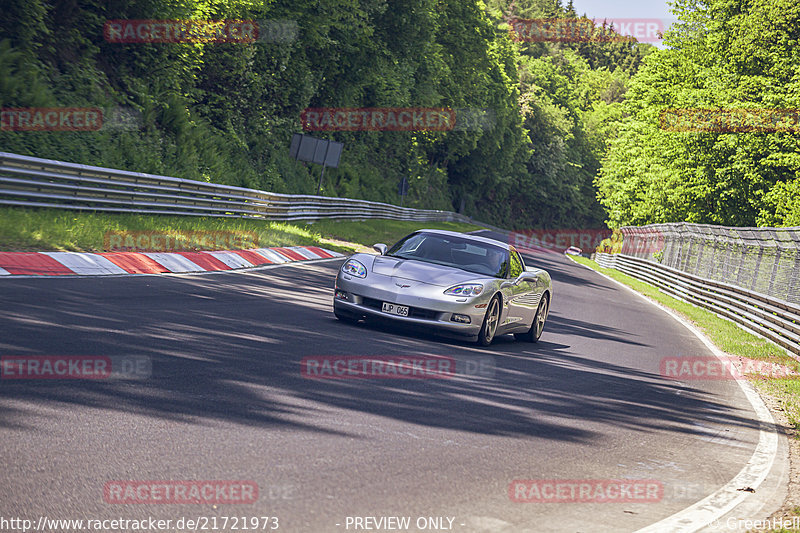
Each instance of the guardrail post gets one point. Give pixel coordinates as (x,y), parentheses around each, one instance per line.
(679,250)
(699,265)
(794,283)
(726,271)
(742,263)
(775,265)
(688,253)
(715,250)
(757,269)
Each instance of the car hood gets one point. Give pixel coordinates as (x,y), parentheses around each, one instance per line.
(430,273)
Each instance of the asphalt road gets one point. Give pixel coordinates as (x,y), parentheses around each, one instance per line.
(226,401)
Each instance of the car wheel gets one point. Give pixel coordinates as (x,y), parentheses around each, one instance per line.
(539,320)
(490,323)
(345,316)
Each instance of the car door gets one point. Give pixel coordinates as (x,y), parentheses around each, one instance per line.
(522,296)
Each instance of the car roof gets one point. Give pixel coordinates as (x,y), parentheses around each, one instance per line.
(486,240)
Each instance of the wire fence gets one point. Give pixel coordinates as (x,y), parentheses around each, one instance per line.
(762,260)
(775,319)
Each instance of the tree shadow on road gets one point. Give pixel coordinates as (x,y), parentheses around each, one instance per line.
(227,349)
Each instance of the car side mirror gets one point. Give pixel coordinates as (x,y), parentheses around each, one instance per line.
(380,248)
(532,277)
(525,276)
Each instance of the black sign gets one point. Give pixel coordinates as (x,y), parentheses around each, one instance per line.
(319,151)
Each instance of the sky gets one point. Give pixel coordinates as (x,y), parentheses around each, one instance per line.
(627,14)
(623,8)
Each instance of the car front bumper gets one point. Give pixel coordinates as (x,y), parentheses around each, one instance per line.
(425,309)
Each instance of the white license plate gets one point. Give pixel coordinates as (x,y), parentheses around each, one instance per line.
(392,309)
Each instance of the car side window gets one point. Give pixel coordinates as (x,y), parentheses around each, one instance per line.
(515,265)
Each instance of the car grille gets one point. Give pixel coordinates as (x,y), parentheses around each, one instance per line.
(413,312)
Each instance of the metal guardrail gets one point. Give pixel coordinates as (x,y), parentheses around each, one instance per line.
(763,260)
(34,182)
(776,319)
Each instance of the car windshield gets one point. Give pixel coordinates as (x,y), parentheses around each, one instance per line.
(458,252)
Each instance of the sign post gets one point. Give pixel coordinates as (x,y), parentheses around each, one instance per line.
(403,190)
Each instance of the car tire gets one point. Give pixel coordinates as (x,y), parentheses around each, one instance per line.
(537,326)
(345,316)
(490,322)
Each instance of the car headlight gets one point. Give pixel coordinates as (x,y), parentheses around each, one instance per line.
(354,268)
(467,289)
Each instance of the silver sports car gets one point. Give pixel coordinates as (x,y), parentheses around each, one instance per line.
(453,282)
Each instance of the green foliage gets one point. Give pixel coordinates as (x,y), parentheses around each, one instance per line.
(611,245)
(226,112)
(782,205)
(724,55)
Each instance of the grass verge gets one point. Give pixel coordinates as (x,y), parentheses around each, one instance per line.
(64,230)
